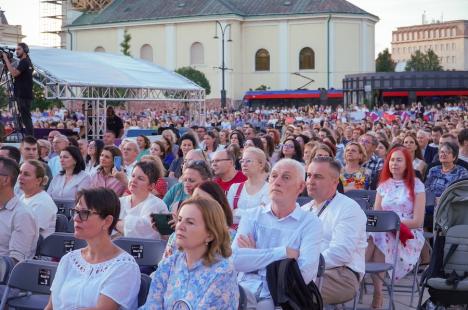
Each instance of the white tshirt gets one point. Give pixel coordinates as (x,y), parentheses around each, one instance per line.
(45,211)
(247,201)
(78,284)
(137,220)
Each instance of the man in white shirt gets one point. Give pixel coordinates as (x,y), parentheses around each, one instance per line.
(344,238)
(60,143)
(18,228)
(277,231)
(130,151)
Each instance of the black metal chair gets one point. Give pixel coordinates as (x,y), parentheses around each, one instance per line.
(144,289)
(64,206)
(147,252)
(61,223)
(58,244)
(368,195)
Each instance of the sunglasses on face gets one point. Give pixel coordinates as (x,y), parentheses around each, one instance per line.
(82,214)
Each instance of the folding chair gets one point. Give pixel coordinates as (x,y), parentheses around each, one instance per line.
(367,195)
(61,223)
(242,299)
(147,252)
(302,200)
(64,206)
(170,182)
(58,244)
(384,221)
(320,271)
(9,264)
(364,204)
(144,289)
(32,276)
(71,226)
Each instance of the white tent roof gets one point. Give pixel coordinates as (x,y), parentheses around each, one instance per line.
(105,69)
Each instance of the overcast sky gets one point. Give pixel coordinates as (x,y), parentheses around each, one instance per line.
(392,14)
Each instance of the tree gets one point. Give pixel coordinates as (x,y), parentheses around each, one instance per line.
(384,62)
(195,76)
(41,102)
(423,62)
(125,45)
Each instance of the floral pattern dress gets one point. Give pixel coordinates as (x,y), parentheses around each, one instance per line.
(356,180)
(203,287)
(395,197)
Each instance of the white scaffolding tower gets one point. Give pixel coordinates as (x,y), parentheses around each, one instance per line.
(52,14)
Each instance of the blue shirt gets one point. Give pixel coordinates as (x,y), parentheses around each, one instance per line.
(437,181)
(299,230)
(203,287)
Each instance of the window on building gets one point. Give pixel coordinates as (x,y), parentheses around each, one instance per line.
(399,37)
(447,47)
(197,54)
(448,59)
(306,59)
(146,52)
(453,46)
(262,60)
(453,59)
(453,32)
(100,49)
(426,34)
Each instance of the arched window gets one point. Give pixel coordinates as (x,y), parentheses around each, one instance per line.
(306,59)
(262,60)
(146,52)
(100,49)
(197,54)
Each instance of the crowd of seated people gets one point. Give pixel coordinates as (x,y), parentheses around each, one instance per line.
(232,195)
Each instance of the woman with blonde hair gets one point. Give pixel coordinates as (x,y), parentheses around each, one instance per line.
(200,274)
(253,192)
(353,175)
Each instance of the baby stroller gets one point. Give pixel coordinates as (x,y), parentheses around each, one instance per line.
(447,275)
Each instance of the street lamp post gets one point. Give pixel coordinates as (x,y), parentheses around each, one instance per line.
(223,64)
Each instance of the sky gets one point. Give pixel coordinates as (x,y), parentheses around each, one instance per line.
(392,14)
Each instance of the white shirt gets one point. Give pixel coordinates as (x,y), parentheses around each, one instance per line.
(299,230)
(247,201)
(137,220)
(78,284)
(18,231)
(59,190)
(45,211)
(344,239)
(55,166)
(129,169)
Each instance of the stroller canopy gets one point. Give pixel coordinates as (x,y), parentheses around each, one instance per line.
(453,207)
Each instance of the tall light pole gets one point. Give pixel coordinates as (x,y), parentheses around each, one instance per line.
(223,65)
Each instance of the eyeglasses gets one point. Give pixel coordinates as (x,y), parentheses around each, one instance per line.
(247,161)
(82,214)
(288,146)
(216,161)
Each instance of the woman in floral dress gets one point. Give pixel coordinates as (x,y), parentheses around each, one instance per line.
(353,175)
(401,192)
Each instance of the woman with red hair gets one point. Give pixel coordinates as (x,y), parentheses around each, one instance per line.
(401,192)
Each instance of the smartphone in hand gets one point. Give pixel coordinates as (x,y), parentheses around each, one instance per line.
(118,163)
(161,221)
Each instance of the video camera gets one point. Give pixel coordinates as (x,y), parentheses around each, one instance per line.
(7,50)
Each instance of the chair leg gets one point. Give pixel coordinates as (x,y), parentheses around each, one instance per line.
(415,280)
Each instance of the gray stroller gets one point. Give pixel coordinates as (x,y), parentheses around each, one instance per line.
(446,278)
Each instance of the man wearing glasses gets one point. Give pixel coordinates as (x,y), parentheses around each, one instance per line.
(19,231)
(23,85)
(223,165)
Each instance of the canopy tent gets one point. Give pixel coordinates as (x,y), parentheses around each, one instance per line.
(98,77)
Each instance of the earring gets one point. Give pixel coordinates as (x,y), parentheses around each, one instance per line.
(206,243)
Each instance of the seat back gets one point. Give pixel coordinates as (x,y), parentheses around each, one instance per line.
(147,252)
(302,200)
(58,244)
(144,289)
(170,182)
(34,276)
(61,223)
(364,204)
(321,266)
(8,262)
(382,221)
(367,195)
(71,226)
(64,206)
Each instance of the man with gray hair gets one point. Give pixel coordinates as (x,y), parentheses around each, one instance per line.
(59,144)
(344,238)
(130,151)
(429,153)
(277,231)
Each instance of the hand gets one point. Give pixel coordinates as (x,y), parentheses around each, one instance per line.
(292,253)
(246,242)
(5,56)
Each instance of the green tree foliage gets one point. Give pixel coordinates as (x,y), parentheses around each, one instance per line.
(195,76)
(424,62)
(125,45)
(41,102)
(384,62)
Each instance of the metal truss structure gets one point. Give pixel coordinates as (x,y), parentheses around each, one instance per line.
(95,99)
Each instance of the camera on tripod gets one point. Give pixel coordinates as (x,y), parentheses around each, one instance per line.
(7,50)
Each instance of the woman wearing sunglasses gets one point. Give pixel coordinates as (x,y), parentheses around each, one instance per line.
(101,275)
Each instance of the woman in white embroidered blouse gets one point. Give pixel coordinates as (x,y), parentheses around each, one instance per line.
(252,193)
(101,275)
(135,215)
(72,178)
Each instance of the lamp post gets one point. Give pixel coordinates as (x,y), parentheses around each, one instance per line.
(223,65)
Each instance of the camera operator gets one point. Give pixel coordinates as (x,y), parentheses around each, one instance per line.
(23,85)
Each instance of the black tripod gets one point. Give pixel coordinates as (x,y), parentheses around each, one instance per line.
(18,134)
